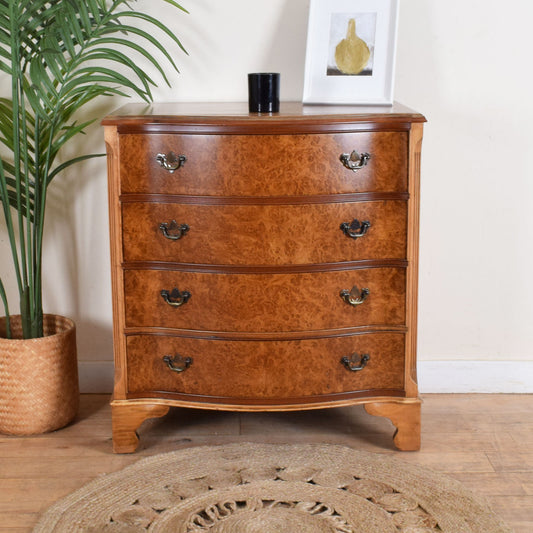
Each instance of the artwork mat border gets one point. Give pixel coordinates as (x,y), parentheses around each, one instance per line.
(351,90)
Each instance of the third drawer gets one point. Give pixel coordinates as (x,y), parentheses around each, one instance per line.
(264,302)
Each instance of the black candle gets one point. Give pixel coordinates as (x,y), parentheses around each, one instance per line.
(263,92)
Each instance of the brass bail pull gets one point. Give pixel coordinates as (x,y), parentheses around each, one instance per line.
(177,363)
(173,231)
(354,161)
(355,297)
(175,298)
(355,229)
(170,161)
(354,363)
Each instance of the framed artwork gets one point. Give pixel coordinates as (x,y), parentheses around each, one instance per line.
(350,56)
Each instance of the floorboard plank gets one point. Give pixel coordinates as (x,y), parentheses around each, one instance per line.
(484,441)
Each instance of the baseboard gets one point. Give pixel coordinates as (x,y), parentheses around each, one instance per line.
(475,376)
(96,377)
(433,376)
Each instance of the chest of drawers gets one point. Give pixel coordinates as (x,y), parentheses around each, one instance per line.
(264,262)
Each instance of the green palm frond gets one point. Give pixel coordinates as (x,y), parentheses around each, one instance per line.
(61,55)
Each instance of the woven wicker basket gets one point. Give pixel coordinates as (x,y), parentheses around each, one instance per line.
(38,377)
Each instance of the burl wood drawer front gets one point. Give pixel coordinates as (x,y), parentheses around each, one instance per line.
(263,234)
(275,369)
(263,302)
(263,165)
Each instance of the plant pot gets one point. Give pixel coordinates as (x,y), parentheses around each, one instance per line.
(39,389)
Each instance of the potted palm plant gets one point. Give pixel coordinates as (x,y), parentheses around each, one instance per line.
(59,55)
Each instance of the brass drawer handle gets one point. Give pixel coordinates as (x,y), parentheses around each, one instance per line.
(175,298)
(354,363)
(177,363)
(170,161)
(355,297)
(178,230)
(354,161)
(355,229)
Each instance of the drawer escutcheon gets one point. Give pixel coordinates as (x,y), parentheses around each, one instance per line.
(354,363)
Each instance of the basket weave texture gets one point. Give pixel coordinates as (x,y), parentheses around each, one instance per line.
(39,389)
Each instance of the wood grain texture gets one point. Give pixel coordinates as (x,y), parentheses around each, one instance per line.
(264,302)
(264,234)
(191,199)
(234,118)
(257,370)
(406,419)
(127,419)
(415,147)
(116,256)
(258,165)
(265,269)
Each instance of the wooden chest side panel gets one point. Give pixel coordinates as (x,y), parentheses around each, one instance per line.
(276,369)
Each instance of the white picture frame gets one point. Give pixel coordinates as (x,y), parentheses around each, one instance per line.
(375,23)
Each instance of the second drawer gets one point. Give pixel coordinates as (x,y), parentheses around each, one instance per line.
(264,234)
(264,302)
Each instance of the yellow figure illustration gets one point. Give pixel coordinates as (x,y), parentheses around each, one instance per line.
(352,54)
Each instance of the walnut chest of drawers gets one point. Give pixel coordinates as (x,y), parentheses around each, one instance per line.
(264,262)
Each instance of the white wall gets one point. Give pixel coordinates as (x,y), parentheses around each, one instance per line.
(465,64)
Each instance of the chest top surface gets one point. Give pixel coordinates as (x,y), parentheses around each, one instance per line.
(235,118)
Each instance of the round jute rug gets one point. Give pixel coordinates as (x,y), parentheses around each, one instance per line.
(265,488)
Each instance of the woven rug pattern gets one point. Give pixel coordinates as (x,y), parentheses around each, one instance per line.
(263,488)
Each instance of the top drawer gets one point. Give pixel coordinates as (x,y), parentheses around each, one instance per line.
(263,165)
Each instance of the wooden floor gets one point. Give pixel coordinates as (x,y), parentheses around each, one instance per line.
(485,441)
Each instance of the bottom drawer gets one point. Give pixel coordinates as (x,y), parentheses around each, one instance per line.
(264,369)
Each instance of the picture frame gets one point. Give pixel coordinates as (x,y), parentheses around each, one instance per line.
(351,48)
